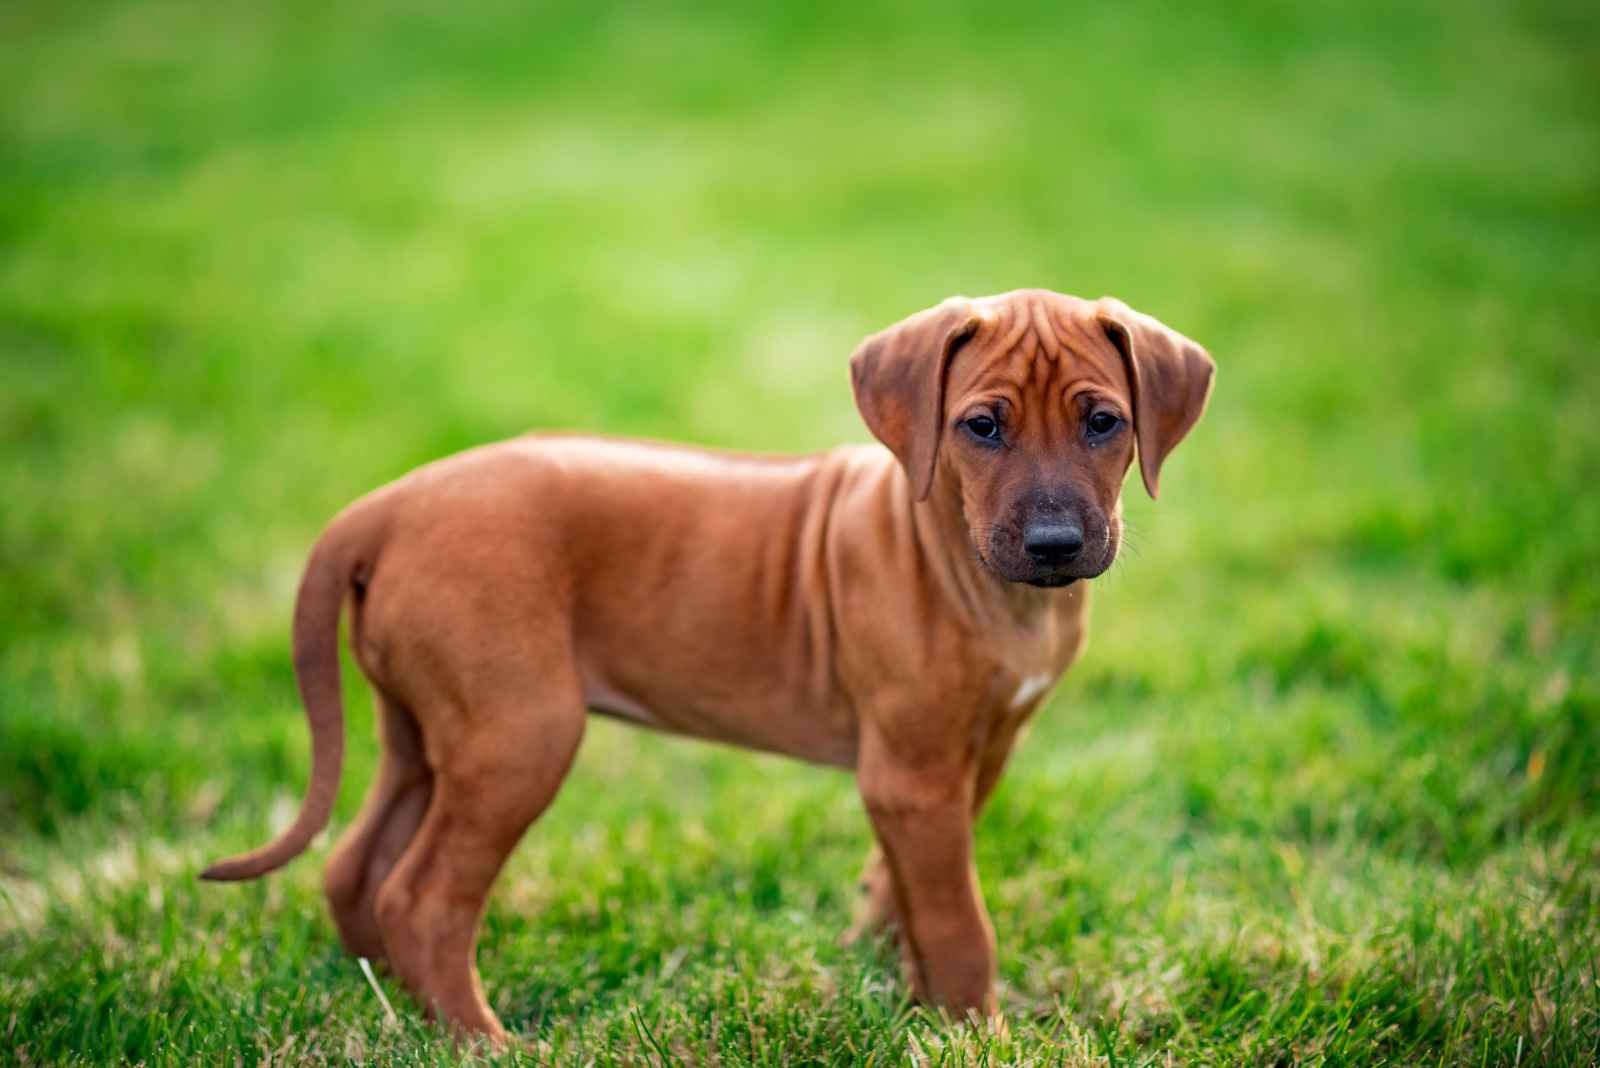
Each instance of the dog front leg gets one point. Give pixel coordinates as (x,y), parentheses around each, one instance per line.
(922,815)
(875,913)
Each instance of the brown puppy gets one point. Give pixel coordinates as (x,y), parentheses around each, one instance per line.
(898,612)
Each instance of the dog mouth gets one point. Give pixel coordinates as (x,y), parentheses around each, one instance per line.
(1048,580)
(999,555)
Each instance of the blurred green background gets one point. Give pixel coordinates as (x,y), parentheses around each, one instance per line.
(1325,786)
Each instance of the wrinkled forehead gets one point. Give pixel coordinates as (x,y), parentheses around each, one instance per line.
(1027,346)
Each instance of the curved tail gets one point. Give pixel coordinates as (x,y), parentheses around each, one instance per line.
(340,562)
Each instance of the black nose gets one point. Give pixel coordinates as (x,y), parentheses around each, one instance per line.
(1054,544)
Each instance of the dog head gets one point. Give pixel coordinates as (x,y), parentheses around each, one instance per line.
(1031,405)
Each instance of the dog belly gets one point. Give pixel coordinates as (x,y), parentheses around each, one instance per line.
(773,722)
(609,701)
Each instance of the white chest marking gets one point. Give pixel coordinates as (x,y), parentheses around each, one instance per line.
(1031,687)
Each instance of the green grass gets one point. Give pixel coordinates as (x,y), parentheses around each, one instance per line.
(1326,786)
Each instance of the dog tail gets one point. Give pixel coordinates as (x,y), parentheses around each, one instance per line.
(341,563)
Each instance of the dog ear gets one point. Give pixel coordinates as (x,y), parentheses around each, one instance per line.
(1171,378)
(898,375)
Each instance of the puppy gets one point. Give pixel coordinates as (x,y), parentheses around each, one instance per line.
(901,611)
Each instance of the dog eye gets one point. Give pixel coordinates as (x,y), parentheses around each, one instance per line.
(983,426)
(1101,422)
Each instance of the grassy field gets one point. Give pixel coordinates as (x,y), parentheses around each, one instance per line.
(1326,786)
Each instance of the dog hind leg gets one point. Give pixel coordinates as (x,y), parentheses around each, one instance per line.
(389,819)
(496,779)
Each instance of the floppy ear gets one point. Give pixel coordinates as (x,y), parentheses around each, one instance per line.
(898,379)
(1171,378)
